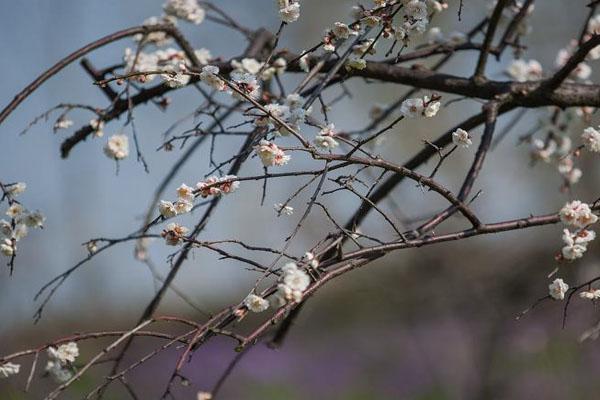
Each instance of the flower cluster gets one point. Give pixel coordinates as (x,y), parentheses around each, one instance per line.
(271,155)
(591,139)
(21,220)
(255,67)
(579,215)
(522,71)
(60,361)
(117,147)
(293,282)
(187,10)
(326,138)
(417,107)
(215,186)
(210,76)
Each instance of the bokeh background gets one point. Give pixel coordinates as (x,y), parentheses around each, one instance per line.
(431,323)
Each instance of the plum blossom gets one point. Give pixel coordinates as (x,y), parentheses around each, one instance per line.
(557,289)
(577,214)
(591,139)
(522,71)
(210,76)
(256,303)
(16,188)
(167,209)
(325,138)
(461,138)
(412,108)
(7,248)
(289,10)
(65,353)
(246,83)
(8,369)
(293,283)
(174,233)
(592,294)
(215,186)
(271,155)
(187,10)
(62,123)
(117,147)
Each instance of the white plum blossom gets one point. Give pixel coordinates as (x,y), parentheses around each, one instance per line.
(325,138)
(62,123)
(311,259)
(8,369)
(289,10)
(34,219)
(97,126)
(187,10)
(16,189)
(215,186)
(174,233)
(592,294)
(183,206)
(578,214)
(557,289)
(431,107)
(247,65)
(256,303)
(203,55)
(283,210)
(117,147)
(275,110)
(412,108)
(209,75)
(15,210)
(293,283)
(246,83)
(461,138)
(65,353)
(7,248)
(167,209)
(591,139)
(59,372)
(184,192)
(271,155)
(522,71)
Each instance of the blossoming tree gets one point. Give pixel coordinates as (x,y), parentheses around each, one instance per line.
(381,41)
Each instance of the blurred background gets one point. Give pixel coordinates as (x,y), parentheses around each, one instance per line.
(431,323)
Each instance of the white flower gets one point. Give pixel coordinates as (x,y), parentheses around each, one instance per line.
(7,248)
(5,228)
(594,25)
(364,47)
(228,184)
(461,138)
(16,188)
(574,251)
(412,108)
(591,139)
(281,209)
(432,107)
(435,35)
(592,294)
(285,293)
(416,9)
(34,219)
(325,138)
(15,210)
(271,155)
(209,75)
(174,233)
(246,83)
(557,289)
(203,55)
(256,303)
(303,62)
(167,209)
(187,10)
(183,206)
(543,151)
(176,80)
(311,260)
(59,372)
(578,214)
(204,396)
(582,71)
(355,62)
(521,70)
(342,31)
(275,110)
(296,279)
(249,65)
(20,232)
(184,192)
(117,147)
(65,353)
(97,125)
(289,10)
(62,123)
(8,369)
